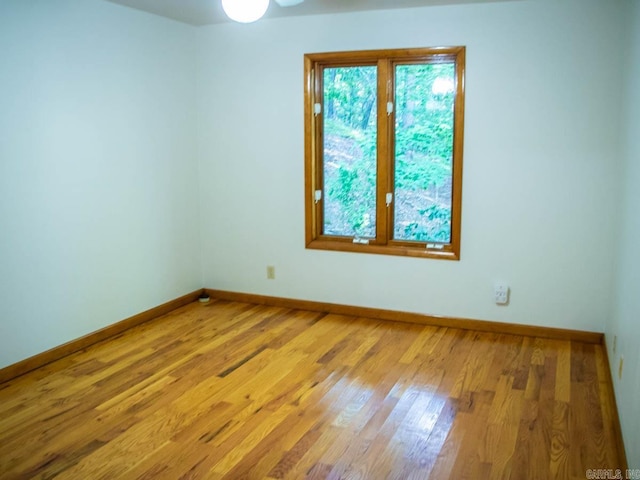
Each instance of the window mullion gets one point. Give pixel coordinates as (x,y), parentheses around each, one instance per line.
(384,151)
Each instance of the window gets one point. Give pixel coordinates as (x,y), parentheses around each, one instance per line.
(383,151)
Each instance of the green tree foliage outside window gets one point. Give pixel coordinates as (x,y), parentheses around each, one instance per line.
(424,99)
(423,151)
(350,151)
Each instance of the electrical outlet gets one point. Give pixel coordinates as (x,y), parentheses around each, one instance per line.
(620,367)
(271,272)
(615,343)
(501,293)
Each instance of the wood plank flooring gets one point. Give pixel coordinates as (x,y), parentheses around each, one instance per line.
(239,391)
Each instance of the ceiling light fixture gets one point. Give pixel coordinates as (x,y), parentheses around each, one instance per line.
(245,11)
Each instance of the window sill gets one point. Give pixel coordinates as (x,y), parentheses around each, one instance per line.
(399,250)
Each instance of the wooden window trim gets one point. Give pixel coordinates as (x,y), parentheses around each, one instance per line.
(386,61)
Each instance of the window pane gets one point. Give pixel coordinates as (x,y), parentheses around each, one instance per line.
(349,156)
(424,95)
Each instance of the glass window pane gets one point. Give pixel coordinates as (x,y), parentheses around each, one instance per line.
(424,96)
(349,155)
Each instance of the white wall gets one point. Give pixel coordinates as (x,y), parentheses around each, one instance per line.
(540,164)
(98,215)
(625,323)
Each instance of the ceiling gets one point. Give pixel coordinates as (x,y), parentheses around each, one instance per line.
(207,12)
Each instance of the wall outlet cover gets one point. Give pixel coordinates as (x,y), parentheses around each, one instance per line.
(501,293)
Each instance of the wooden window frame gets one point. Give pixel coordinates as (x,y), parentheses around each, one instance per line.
(385,60)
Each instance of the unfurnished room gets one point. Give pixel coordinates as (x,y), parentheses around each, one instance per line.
(320,239)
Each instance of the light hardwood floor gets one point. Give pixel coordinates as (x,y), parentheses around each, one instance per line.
(233,390)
